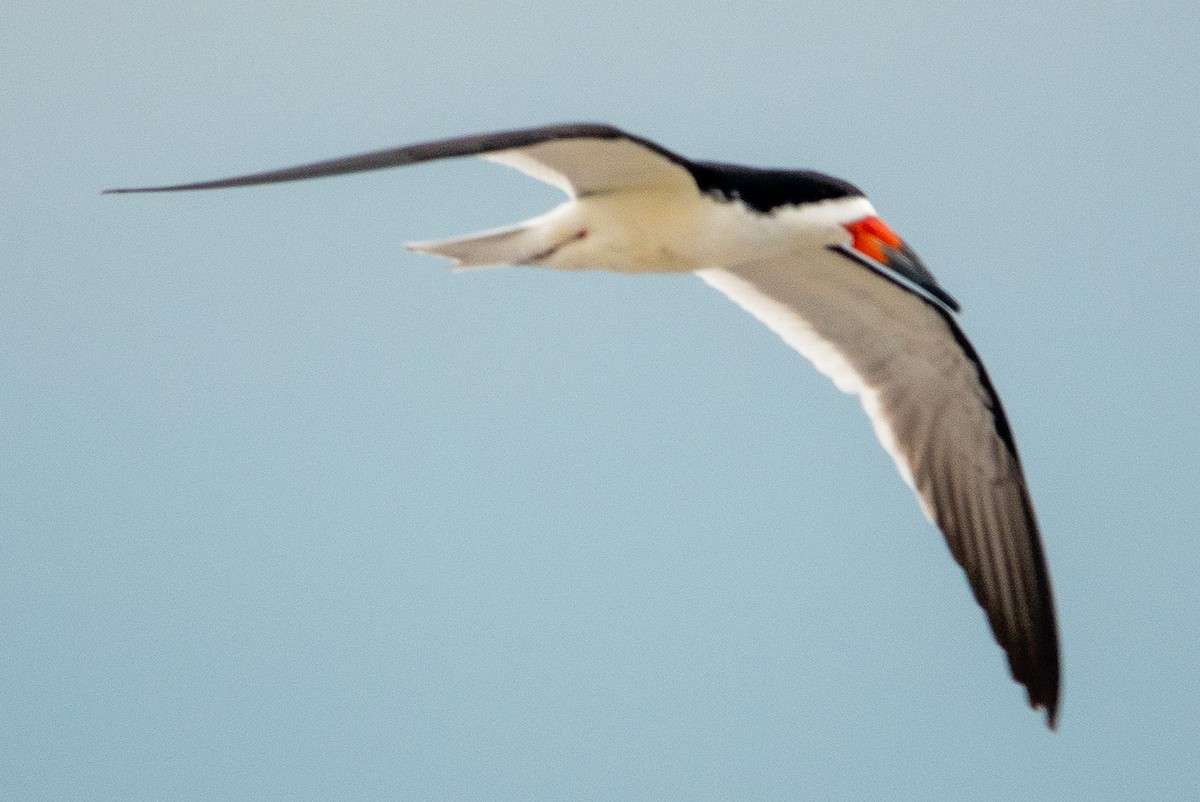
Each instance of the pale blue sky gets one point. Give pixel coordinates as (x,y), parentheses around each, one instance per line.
(288,512)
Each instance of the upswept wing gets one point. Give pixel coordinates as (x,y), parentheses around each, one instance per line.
(580,159)
(934,409)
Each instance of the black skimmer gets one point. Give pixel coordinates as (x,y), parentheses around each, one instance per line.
(808,255)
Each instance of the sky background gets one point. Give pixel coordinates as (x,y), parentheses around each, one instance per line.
(288,512)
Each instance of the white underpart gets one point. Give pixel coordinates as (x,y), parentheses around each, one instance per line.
(658,227)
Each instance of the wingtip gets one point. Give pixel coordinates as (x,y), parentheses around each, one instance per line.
(173,188)
(1052,713)
(1048,703)
(134,190)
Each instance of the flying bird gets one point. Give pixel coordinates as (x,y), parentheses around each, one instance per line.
(808,255)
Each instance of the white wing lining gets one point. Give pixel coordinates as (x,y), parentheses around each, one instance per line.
(825,355)
(587,166)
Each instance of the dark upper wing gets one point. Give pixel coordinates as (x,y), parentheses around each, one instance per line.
(579,158)
(935,412)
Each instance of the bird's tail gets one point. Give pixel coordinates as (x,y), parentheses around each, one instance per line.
(522,243)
